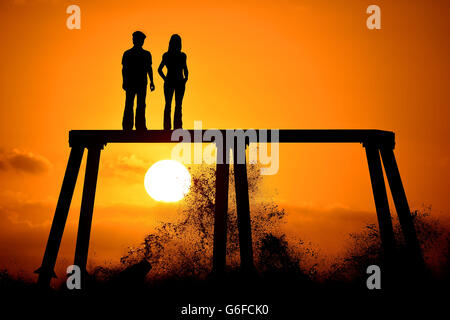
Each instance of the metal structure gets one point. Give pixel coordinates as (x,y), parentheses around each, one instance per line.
(379,146)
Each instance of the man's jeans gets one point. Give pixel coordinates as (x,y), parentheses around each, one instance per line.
(127,123)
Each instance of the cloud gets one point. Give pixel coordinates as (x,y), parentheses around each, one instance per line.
(328,227)
(23,161)
(25,226)
(131,163)
(130,168)
(3,165)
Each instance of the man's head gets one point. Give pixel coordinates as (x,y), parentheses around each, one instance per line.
(138,38)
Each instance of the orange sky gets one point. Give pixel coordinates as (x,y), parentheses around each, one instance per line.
(253,64)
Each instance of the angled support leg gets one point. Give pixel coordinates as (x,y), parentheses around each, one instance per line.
(381,203)
(221,212)
(46,271)
(402,208)
(243,211)
(87,207)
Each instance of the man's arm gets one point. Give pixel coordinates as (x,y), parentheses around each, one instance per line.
(124,73)
(150,73)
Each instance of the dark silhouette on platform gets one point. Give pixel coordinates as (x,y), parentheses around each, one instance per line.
(379,147)
(137,63)
(174,81)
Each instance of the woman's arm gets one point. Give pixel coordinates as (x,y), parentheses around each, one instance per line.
(160,70)
(185,70)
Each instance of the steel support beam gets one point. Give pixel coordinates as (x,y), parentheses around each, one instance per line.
(87,207)
(46,271)
(381,203)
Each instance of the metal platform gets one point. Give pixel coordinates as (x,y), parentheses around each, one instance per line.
(378,144)
(103,137)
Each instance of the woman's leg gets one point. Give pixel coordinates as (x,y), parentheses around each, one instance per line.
(179,94)
(168,95)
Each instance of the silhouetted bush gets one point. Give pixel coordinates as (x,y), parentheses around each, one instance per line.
(365,249)
(183,249)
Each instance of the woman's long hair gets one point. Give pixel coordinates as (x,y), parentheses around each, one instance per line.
(175,43)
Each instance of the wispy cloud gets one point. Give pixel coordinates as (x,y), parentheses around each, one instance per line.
(25,225)
(23,161)
(131,163)
(327,226)
(131,167)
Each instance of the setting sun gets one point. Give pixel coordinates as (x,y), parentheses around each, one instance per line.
(167,181)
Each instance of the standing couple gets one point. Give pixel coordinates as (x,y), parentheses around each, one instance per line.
(137,63)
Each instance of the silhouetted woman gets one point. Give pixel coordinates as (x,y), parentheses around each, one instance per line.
(174,81)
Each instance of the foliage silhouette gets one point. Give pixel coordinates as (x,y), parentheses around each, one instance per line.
(183,249)
(365,249)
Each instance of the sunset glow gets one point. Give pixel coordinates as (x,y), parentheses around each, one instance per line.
(252,64)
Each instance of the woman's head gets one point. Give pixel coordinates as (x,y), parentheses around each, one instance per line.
(175,43)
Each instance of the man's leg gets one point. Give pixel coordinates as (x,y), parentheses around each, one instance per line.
(179,94)
(127,122)
(140,109)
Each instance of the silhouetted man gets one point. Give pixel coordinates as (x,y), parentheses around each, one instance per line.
(137,63)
